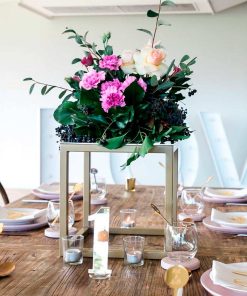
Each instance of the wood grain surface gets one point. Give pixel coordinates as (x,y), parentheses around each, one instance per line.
(40,271)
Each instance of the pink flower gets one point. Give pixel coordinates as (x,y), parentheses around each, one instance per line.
(176,70)
(112,98)
(92,79)
(87,61)
(115,83)
(142,84)
(111,62)
(111,95)
(131,79)
(76,78)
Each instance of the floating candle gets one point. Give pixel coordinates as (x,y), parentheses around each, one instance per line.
(134,257)
(73,256)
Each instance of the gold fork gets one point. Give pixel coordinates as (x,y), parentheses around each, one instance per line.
(240,272)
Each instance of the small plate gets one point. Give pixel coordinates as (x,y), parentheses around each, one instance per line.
(19,216)
(224,229)
(52,189)
(217,290)
(39,223)
(46,196)
(232,219)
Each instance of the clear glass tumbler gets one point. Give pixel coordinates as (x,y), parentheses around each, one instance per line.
(180,241)
(98,187)
(191,202)
(73,249)
(128,218)
(53,214)
(134,250)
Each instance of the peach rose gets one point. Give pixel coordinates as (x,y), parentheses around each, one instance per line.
(155,56)
(128,64)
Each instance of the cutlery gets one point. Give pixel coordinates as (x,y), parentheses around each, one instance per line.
(35,200)
(6,268)
(176,277)
(158,212)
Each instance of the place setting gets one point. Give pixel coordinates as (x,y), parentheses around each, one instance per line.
(225,195)
(227,222)
(226,279)
(21,219)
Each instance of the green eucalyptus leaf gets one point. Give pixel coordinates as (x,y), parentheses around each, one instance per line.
(184,58)
(132,157)
(166,85)
(43,90)
(146,31)
(151,13)
(31,88)
(115,143)
(98,119)
(62,94)
(154,80)
(162,23)
(108,50)
(177,129)
(167,2)
(69,31)
(192,62)
(64,113)
(146,146)
(76,60)
(27,79)
(67,97)
(49,89)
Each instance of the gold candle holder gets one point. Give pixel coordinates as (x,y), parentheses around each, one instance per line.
(130,184)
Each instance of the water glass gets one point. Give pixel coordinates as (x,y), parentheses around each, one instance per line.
(180,241)
(98,188)
(53,214)
(73,249)
(133,250)
(191,202)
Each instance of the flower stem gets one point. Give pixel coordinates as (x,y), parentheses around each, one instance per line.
(60,87)
(156,25)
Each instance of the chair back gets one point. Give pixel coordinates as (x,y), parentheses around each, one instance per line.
(4,195)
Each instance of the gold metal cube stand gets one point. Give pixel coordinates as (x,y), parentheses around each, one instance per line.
(170,198)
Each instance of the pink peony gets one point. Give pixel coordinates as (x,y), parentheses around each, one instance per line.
(142,84)
(131,79)
(87,61)
(92,79)
(111,95)
(111,62)
(127,82)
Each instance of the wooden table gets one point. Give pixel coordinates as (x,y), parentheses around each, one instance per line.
(40,271)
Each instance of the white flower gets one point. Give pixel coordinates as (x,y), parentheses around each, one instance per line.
(128,64)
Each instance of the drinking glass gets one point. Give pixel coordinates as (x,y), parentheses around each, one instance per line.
(191,202)
(73,249)
(181,241)
(53,214)
(98,188)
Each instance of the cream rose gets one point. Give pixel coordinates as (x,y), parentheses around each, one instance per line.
(128,63)
(150,61)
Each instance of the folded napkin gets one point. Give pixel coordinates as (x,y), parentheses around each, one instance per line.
(225,193)
(222,274)
(233,219)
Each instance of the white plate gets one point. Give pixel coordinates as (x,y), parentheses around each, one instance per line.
(39,223)
(232,219)
(225,193)
(52,189)
(19,216)
(241,266)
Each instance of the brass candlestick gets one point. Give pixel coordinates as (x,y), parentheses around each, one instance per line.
(130,184)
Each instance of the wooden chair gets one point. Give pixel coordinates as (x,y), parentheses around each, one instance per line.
(4,194)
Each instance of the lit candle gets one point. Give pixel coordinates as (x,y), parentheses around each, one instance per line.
(72,256)
(134,257)
(128,222)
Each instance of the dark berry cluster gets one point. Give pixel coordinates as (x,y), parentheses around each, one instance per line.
(192,92)
(66,133)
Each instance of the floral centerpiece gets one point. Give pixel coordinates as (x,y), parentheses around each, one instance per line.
(115,99)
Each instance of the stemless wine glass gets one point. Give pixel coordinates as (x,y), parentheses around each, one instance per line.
(191,202)
(181,241)
(53,214)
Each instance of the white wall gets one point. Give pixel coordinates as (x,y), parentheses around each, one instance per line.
(31,45)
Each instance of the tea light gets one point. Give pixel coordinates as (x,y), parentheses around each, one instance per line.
(72,255)
(128,222)
(134,257)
